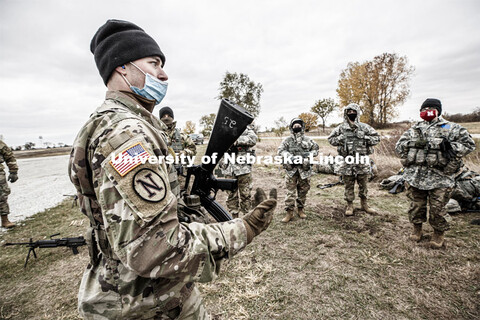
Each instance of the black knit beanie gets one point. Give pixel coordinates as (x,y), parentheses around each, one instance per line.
(166,110)
(432,103)
(118,42)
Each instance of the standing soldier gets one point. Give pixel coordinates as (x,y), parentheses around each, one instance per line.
(180,142)
(353,138)
(143,262)
(239,200)
(297,178)
(6,155)
(431,152)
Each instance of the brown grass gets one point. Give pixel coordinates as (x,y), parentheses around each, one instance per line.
(363,267)
(324,267)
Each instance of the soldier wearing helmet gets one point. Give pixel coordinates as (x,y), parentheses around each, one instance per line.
(353,138)
(297,178)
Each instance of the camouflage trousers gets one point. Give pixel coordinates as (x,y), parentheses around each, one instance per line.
(436,199)
(239,200)
(297,189)
(193,308)
(349,181)
(4,192)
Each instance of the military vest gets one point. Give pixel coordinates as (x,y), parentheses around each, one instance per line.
(299,149)
(177,145)
(353,144)
(431,155)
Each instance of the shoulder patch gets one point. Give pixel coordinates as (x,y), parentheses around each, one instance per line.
(446,126)
(130,158)
(149,185)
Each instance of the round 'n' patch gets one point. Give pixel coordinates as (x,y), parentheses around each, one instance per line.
(149,185)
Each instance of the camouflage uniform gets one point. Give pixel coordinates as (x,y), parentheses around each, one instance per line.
(181,144)
(467,190)
(351,139)
(239,200)
(143,261)
(429,175)
(297,178)
(6,155)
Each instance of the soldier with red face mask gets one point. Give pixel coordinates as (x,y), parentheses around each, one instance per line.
(431,152)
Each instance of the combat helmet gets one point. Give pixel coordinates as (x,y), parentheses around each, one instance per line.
(296,120)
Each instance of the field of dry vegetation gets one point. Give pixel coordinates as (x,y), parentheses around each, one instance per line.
(325,267)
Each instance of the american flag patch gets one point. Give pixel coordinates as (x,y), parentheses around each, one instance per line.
(129,159)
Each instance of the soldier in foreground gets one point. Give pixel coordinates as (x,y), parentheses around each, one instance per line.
(6,155)
(143,261)
(297,178)
(239,200)
(353,137)
(181,143)
(431,152)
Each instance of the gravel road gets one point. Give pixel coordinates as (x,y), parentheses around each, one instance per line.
(41,184)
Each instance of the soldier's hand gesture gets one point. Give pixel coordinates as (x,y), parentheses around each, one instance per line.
(259,218)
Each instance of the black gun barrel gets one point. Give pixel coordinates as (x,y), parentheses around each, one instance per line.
(230,122)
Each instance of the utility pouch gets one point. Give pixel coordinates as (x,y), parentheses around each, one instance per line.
(432,158)
(420,156)
(442,161)
(411,156)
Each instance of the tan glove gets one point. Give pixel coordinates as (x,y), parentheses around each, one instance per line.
(259,218)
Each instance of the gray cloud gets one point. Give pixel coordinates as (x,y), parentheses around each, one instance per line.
(296,50)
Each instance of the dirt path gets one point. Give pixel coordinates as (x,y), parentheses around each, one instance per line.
(42,183)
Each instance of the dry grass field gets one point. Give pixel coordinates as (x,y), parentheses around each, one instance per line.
(325,267)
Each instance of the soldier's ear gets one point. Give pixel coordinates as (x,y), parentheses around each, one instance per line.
(121,70)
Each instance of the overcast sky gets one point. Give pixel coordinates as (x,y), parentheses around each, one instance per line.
(296,49)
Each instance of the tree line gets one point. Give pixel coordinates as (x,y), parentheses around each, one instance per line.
(379,86)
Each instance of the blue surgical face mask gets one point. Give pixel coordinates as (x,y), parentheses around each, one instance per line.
(153,89)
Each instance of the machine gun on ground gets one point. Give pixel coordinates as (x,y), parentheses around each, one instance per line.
(398,187)
(330,185)
(230,123)
(72,243)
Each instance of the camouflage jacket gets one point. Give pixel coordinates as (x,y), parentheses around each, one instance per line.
(180,142)
(297,144)
(426,168)
(352,139)
(242,147)
(144,261)
(6,155)
(467,187)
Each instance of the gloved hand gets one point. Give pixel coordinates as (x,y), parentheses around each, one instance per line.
(12,177)
(259,218)
(447,149)
(360,134)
